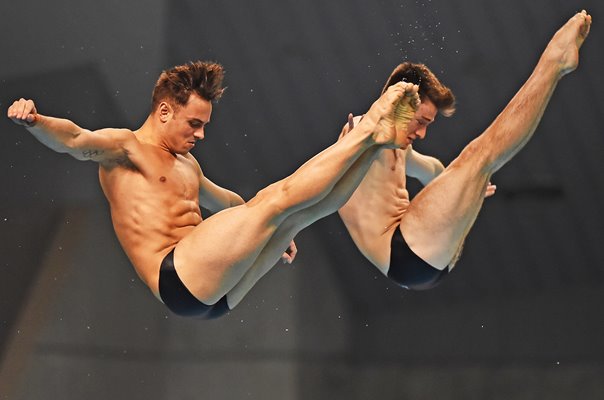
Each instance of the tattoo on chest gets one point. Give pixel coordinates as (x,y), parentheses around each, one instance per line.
(92,153)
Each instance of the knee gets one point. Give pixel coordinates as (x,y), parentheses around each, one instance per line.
(475,156)
(272,198)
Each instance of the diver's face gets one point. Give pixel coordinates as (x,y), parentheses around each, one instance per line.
(424,116)
(188,123)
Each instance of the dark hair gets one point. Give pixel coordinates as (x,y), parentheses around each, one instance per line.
(178,83)
(429,85)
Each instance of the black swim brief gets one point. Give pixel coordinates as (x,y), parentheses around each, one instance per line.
(179,299)
(408,270)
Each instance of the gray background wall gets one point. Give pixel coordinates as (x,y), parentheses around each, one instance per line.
(519,319)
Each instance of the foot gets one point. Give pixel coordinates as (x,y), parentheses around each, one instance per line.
(390,115)
(564,46)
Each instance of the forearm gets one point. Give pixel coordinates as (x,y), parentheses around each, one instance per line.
(56,133)
(219,199)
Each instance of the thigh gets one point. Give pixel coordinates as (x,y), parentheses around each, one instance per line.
(214,256)
(441,215)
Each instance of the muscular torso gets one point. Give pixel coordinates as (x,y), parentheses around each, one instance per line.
(154,200)
(377,206)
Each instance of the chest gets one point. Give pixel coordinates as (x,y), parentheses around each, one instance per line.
(177,176)
(390,164)
(164,178)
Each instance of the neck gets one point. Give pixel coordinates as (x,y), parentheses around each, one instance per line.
(150,133)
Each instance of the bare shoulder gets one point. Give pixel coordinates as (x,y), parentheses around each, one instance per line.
(412,154)
(195,166)
(109,146)
(120,135)
(191,159)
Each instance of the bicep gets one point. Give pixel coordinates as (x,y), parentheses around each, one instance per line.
(101,145)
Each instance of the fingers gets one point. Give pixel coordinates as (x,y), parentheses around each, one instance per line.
(406,89)
(586,23)
(350,122)
(290,254)
(22,112)
(490,191)
(293,250)
(415,102)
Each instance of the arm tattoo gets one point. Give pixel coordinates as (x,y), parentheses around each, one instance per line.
(92,153)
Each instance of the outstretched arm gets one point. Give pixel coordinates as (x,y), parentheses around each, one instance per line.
(64,136)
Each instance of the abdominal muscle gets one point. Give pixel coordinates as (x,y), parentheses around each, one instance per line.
(151,215)
(148,237)
(375,209)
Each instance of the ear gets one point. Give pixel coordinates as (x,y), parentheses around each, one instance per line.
(164,111)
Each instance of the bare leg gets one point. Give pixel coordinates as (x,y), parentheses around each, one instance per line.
(441,215)
(300,220)
(218,252)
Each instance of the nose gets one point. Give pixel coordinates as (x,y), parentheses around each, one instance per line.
(421,132)
(199,134)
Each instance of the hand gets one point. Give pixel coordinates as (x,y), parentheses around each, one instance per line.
(290,253)
(23,112)
(490,190)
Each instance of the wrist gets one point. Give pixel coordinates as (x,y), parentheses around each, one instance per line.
(35,121)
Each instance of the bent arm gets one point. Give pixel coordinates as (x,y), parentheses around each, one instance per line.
(215,198)
(422,167)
